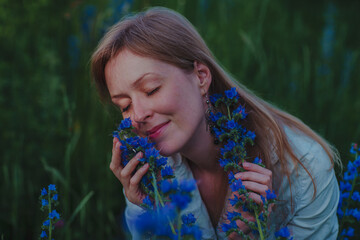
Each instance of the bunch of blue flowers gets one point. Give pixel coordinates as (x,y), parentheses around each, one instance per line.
(49,200)
(235,138)
(349,198)
(166,197)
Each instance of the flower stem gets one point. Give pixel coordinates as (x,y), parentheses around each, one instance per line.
(158,200)
(229,114)
(50,224)
(259,226)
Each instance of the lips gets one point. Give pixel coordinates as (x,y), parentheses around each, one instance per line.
(157,130)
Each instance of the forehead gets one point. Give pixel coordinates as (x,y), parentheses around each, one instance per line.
(127,67)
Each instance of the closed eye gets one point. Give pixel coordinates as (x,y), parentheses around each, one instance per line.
(125,109)
(153,91)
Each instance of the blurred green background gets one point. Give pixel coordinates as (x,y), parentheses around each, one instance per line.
(302,56)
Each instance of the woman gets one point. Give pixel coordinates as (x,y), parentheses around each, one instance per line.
(158,70)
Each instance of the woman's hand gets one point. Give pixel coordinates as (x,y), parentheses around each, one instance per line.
(125,174)
(258,180)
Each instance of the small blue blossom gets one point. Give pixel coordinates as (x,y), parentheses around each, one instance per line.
(270,195)
(257,160)
(180,200)
(251,135)
(46,223)
(236,185)
(232,93)
(231,215)
(54,214)
(52,187)
(43,192)
(44,202)
(126,123)
(231,124)
(188,219)
(235,200)
(356,196)
(147,202)
(55,197)
(43,234)
(167,171)
(187,185)
(345,186)
(283,232)
(215,97)
(165,186)
(226,227)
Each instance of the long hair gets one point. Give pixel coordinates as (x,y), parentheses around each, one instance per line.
(165,35)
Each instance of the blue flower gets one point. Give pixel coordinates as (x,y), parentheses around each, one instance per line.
(231,215)
(216,116)
(43,234)
(55,197)
(43,192)
(234,201)
(147,201)
(215,97)
(187,185)
(126,123)
(52,187)
(223,162)
(236,185)
(54,214)
(240,110)
(231,93)
(345,186)
(167,171)
(226,227)
(270,195)
(192,231)
(151,152)
(46,223)
(231,177)
(231,124)
(229,146)
(257,160)
(348,233)
(44,202)
(283,232)
(180,200)
(165,186)
(188,219)
(356,196)
(251,135)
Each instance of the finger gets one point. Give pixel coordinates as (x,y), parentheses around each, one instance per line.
(125,174)
(256,168)
(135,180)
(256,198)
(256,187)
(255,177)
(115,140)
(115,164)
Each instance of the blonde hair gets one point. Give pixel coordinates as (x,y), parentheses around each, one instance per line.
(165,35)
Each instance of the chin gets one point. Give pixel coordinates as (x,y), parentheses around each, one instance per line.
(166,150)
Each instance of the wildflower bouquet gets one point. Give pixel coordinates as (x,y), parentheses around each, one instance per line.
(234,139)
(166,197)
(349,197)
(49,199)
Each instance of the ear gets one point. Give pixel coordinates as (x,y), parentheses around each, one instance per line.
(203,75)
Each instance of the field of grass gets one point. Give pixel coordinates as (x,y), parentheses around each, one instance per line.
(302,56)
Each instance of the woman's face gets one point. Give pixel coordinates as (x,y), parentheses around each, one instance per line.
(164,103)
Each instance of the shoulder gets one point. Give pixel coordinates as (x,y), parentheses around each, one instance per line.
(314,189)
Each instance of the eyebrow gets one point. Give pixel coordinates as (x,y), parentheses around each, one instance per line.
(135,84)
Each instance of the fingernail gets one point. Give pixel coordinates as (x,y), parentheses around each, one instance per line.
(139,155)
(246,164)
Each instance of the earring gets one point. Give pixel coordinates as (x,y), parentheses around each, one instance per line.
(209,122)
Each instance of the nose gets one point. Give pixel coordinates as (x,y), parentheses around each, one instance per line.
(141,112)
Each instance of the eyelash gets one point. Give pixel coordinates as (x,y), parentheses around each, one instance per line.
(153,91)
(148,94)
